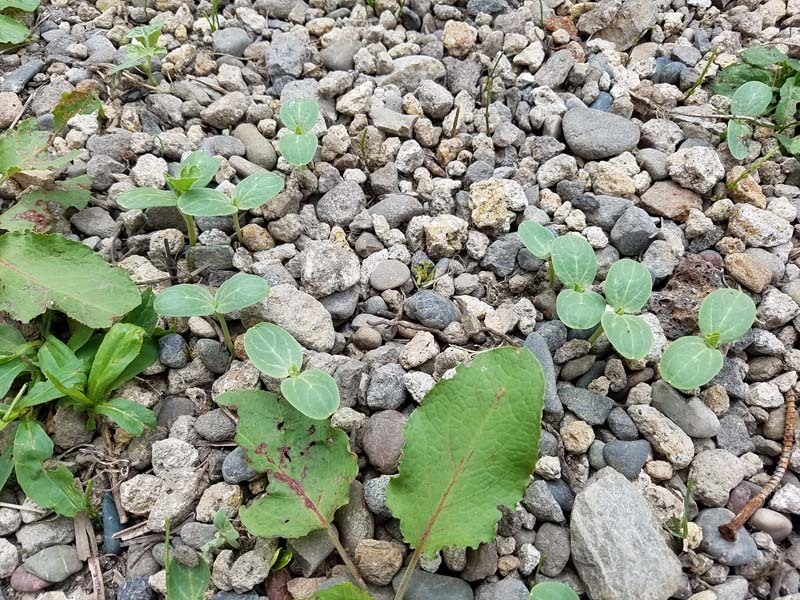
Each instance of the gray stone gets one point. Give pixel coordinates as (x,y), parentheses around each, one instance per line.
(69,428)
(731,554)
(54,564)
(555,70)
(715,473)
(424,586)
(327,267)
(236,470)
(540,502)
(733,435)
(215,426)
(617,544)
(354,520)
(136,588)
(386,389)
(537,344)
(16,80)
(398,209)
(258,150)
(633,232)
(626,457)
(375,496)
(36,536)
(410,71)
(285,59)
(383,439)
(342,305)
(621,425)
(231,40)
(587,406)
(389,274)
(553,541)
(431,309)
(197,535)
(601,210)
(693,416)
(629,22)
(339,55)
(95,221)
(507,589)
(501,256)
(593,134)
(213,354)
(311,550)
(173,351)
(227,111)
(213,258)
(341,204)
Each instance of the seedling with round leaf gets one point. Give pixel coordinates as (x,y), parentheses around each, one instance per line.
(575,265)
(299,145)
(691,361)
(190,300)
(277,354)
(538,240)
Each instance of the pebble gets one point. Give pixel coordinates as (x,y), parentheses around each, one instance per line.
(666,437)
(236,470)
(715,473)
(431,309)
(388,275)
(627,457)
(593,134)
(379,561)
(173,352)
(731,554)
(54,564)
(693,416)
(587,406)
(383,440)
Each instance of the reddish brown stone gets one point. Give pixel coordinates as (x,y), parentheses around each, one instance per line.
(669,200)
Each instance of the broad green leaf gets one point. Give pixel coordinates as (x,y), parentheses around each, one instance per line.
(144,315)
(752,99)
(10,340)
(689,362)
(308,464)
(12,31)
(579,310)
(628,285)
(39,271)
(50,485)
(81,334)
(314,393)
(70,193)
(630,335)
(299,116)
(240,291)
(273,350)
(789,98)
(732,76)
(205,202)
(552,590)
(200,167)
(21,147)
(31,443)
(791,145)
(146,357)
(342,591)
(120,346)
(131,416)
(726,314)
(762,56)
(6,463)
(469,448)
(738,135)
(537,238)
(23,5)
(143,198)
(75,102)
(573,260)
(298,149)
(184,300)
(65,371)
(30,214)
(184,582)
(255,190)
(9,371)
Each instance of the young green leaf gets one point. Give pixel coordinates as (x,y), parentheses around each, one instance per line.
(146,357)
(69,193)
(131,416)
(12,31)
(579,310)
(733,76)
(240,291)
(280,559)
(552,590)
(76,102)
(573,260)
(9,371)
(628,286)
(726,314)
(23,5)
(6,460)
(184,300)
(257,189)
(205,202)
(143,198)
(630,335)
(185,582)
(537,238)
(49,271)
(481,425)
(689,362)
(144,315)
(225,529)
(789,98)
(63,369)
(200,167)
(299,116)
(751,100)
(298,149)
(308,463)
(273,350)
(738,135)
(762,56)
(342,591)
(31,442)
(314,393)
(120,346)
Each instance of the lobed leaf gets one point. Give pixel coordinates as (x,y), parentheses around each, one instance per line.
(298,149)
(225,529)
(313,392)
(143,198)
(308,464)
(537,238)
(273,350)
(726,313)
(299,116)
(205,202)
(184,300)
(630,335)
(628,285)
(752,99)
(738,135)
(579,310)
(75,102)
(70,193)
(255,190)
(689,362)
(552,590)
(131,416)
(120,347)
(469,448)
(573,260)
(240,291)
(762,56)
(342,591)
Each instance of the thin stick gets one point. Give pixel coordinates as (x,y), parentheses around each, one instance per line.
(25,508)
(223,325)
(123,516)
(753,168)
(412,564)
(729,530)
(703,74)
(346,558)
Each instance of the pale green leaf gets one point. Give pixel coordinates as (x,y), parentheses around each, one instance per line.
(469,448)
(752,99)
(6,462)
(143,198)
(299,116)
(70,193)
(51,486)
(9,371)
(789,98)
(573,260)
(10,340)
(23,5)
(12,31)
(31,443)
(187,583)
(314,393)
(240,291)
(298,149)
(200,167)
(255,190)
(120,347)
(552,590)
(184,300)
(76,102)
(226,529)
(738,135)
(689,362)
(205,202)
(342,591)
(30,214)
(579,310)
(308,464)
(628,285)
(762,56)
(726,314)
(630,335)
(273,350)
(131,416)
(537,238)
(63,369)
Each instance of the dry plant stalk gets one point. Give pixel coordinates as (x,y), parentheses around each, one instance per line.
(729,530)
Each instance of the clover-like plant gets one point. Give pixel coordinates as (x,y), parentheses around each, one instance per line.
(575,265)
(689,362)
(537,239)
(190,300)
(143,48)
(299,145)
(749,101)
(277,354)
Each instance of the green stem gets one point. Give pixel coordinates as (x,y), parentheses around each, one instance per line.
(552,274)
(191,230)
(412,564)
(596,335)
(346,558)
(703,74)
(237,226)
(754,167)
(223,324)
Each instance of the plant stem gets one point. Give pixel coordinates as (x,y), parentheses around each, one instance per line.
(596,335)
(552,274)
(703,74)
(223,324)
(752,168)
(237,226)
(412,564)
(346,558)
(191,230)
